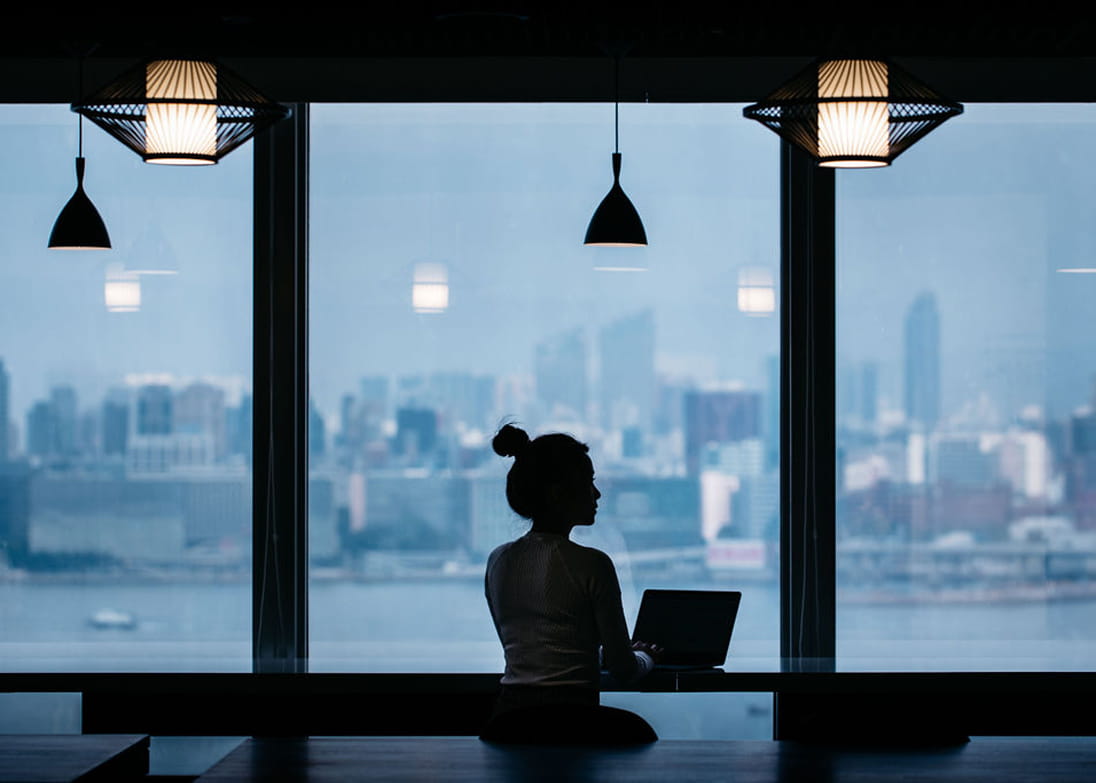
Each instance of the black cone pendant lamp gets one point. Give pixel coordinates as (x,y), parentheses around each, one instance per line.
(616,222)
(79,226)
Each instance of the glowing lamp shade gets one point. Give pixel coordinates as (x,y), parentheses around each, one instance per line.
(430,289)
(756,294)
(79,226)
(122,291)
(853,133)
(853,113)
(181,123)
(183,112)
(616,222)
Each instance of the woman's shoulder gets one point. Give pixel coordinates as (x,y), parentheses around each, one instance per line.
(499,551)
(593,556)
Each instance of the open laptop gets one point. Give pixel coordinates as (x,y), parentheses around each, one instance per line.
(692,626)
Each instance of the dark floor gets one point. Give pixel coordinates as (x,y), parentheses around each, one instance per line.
(1000,760)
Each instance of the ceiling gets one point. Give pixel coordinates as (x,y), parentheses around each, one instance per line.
(545,51)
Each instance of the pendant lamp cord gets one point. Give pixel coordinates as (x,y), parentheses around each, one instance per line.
(80,97)
(616,104)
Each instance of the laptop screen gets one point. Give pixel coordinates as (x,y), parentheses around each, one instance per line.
(693,626)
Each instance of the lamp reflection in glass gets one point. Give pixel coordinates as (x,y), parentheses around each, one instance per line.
(756,294)
(612,259)
(181,124)
(151,254)
(122,290)
(430,288)
(853,134)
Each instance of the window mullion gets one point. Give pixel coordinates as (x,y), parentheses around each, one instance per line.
(280,465)
(808,437)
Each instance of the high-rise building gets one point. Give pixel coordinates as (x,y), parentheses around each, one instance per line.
(463,397)
(317,433)
(965,461)
(154,410)
(89,433)
(376,398)
(238,428)
(560,367)
(718,416)
(5,413)
(14,511)
(63,403)
(772,412)
(922,362)
(199,409)
(41,426)
(627,379)
(858,394)
(115,422)
(416,432)
(869,393)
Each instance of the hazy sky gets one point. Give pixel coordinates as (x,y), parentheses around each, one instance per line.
(980,212)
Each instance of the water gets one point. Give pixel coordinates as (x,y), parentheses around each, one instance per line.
(444,626)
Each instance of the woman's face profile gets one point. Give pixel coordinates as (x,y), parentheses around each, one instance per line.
(585,496)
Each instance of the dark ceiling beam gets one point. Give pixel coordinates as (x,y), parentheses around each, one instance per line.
(659,80)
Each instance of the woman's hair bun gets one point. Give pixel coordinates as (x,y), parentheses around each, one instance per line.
(510,441)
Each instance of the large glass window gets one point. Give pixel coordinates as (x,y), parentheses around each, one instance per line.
(966,367)
(125,409)
(450,292)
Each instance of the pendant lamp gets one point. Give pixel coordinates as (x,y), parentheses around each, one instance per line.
(79,226)
(616,222)
(185,112)
(853,113)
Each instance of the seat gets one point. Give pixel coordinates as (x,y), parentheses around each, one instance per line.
(568,724)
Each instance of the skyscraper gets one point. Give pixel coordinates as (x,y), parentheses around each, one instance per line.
(416,432)
(41,429)
(238,428)
(154,410)
(115,422)
(772,412)
(560,366)
(199,409)
(627,360)
(858,393)
(719,417)
(63,402)
(5,392)
(922,362)
(869,393)
(317,434)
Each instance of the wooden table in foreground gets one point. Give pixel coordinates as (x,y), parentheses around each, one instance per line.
(327,760)
(62,758)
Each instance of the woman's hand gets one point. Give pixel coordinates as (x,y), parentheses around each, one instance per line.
(652,650)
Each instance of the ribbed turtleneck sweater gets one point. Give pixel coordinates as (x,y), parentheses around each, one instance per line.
(555,603)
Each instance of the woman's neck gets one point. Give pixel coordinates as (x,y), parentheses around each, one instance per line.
(553,528)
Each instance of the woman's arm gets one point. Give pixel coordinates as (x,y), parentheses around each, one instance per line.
(623,663)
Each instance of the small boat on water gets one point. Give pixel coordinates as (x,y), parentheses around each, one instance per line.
(113,619)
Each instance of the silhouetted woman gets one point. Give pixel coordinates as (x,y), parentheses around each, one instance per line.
(556,604)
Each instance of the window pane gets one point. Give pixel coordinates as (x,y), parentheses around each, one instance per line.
(451,291)
(965,391)
(125,500)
